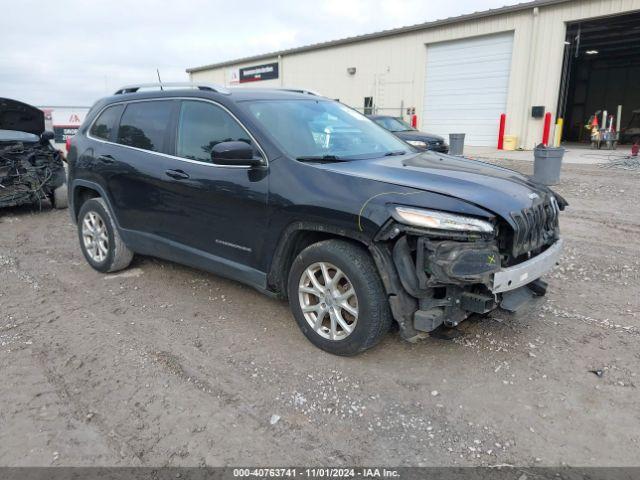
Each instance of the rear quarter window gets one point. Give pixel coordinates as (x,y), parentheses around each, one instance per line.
(145,125)
(106,122)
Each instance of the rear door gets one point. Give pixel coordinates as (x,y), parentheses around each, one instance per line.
(136,164)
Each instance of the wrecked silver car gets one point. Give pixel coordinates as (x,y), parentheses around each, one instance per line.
(31,169)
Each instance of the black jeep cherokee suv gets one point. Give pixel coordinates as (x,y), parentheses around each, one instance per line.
(304,198)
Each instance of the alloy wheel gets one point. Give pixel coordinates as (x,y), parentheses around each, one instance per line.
(328,301)
(95,236)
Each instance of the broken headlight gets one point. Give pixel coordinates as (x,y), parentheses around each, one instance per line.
(440,220)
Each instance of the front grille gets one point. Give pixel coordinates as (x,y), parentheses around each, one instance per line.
(536,227)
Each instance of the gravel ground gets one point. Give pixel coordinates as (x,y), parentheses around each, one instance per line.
(163,365)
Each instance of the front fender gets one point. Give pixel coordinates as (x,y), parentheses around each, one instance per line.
(292,234)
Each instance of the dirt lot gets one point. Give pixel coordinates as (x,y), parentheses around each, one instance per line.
(164,365)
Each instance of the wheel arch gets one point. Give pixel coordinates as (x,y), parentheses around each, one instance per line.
(295,238)
(83,190)
(300,235)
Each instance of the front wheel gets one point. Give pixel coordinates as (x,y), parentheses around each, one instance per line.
(337,297)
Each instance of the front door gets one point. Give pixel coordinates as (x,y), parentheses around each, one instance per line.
(218,210)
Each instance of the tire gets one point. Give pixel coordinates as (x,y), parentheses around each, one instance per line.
(373,316)
(60,198)
(106,257)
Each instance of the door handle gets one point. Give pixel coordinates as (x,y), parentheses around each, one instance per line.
(177,174)
(106,159)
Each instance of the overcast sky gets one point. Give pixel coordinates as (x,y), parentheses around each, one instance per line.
(74,52)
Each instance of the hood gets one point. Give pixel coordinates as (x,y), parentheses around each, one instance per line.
(487,186)
(421,136)
(20,117)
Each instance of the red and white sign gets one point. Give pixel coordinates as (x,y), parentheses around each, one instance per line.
(64,121)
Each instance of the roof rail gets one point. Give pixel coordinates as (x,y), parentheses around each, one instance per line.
(200,86)
(301,90)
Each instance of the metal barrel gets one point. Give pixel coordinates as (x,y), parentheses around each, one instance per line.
(456,143)
(547,164)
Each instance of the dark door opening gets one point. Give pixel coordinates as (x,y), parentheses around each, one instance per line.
(601,71)
(368,105)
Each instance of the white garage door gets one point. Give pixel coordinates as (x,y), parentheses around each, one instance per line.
(466,87)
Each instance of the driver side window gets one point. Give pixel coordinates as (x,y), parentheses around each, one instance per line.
(201,126)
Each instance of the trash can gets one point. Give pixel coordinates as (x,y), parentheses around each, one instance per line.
(456,143)
(546,164)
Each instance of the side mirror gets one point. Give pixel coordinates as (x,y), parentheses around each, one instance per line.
(234,153)
(46,137)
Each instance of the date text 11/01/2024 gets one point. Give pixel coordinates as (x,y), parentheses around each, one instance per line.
(316,472)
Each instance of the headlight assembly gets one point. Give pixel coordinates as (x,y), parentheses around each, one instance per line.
(417,143)
(440,220)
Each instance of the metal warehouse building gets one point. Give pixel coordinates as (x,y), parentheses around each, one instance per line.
(571,57)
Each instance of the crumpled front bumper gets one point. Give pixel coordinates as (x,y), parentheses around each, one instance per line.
(511,278)
(431,282)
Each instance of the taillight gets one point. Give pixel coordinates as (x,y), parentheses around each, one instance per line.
(68,144)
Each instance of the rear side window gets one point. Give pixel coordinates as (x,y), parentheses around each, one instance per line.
(203,125)
(144,125)
(106,122)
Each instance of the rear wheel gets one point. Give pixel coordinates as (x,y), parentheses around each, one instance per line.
(100,241)
(337,297)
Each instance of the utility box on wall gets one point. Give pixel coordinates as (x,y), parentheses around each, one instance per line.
(537,111)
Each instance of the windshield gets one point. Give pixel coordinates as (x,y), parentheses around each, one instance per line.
(322,128)
(393,124)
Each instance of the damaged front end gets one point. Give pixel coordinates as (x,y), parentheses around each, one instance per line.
(30,168)
(29,172)
(446,275)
